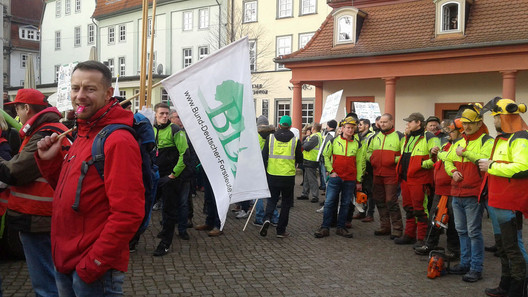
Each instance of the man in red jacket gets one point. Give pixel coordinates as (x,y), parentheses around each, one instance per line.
(90,241)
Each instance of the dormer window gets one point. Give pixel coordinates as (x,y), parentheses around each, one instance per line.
(347,25)
(451,17)
(29,33)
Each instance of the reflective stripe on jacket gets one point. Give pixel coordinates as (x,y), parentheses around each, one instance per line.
(281,159)
(311,155)
(36,197)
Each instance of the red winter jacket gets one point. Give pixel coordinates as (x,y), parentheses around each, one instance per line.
(95,239)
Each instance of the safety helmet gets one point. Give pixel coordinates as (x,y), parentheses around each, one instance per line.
(507,106)
(456,124)
(348,120)
(470,113)
(361,198)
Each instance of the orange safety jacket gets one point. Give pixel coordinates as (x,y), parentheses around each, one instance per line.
(384,151)
(36,197)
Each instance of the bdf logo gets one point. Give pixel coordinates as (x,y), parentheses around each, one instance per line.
(227,118)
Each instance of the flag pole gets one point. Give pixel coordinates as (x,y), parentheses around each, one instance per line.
(250,213)
(151,58)
(120,103)
(142,72)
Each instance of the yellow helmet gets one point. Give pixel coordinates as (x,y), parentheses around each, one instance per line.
(507,106)
(470,113)
(348,120)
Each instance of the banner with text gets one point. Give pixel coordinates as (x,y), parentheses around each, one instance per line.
(367,110)
(215,103)
(64,87)
(331,106)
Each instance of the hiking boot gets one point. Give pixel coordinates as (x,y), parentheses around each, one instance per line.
(161,250)
(359,215)
(302,198)
(283,235)
(323,232)
(264,228)
(344,232)
(368,219)
(496,292)
(405,240)
(203,227)
(314,200)
(458,269)
(215,232)
(382,232)
(472,276)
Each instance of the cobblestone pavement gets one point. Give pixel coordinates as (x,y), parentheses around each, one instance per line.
(246,264)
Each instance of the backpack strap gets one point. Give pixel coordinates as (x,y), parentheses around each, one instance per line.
(98,157)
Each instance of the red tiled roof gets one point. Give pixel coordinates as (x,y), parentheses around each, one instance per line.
(409,27)
(110,7)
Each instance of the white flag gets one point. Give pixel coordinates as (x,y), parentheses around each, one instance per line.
(214,100)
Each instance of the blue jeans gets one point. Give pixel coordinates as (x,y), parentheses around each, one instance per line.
(260,212)
(334,187)
(71,285)
(37,249)
(468,222)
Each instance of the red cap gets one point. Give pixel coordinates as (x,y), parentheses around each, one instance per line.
(29,96)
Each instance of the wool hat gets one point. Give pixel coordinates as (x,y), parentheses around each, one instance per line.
(29,96)
(332,124)
(262,121)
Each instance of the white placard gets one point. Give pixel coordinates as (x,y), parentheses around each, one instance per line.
(331,106)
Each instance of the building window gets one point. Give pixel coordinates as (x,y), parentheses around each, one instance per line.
(77,36)
(204,18)
(111,35)
(203,51)
(122,94)
(285,9)
(187,57)
(122,68)
(165,97)
(344,28)
(308,6)
(149,30)
(250,11)
(304,38)
(57,69)
(67,7)
(265,107)
(450,13)
(282,108)
(122,33)
(253,55)
(91,34)
(153,61)
(284,45)
(29,33)
(136,101)
(23,60)
(77,6)
(187,20)
(57,40)
(58,8)
(110,65)
(307,112)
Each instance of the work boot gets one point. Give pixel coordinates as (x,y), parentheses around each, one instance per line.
(302,198)
(422,250)
(405,239)
(501,290)
(323,232)
(368,219)
(203,227)
(418,243)
(359,216)
(215,232)
(382,232)
(344,232)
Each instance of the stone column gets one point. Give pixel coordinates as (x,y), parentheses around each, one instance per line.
(508,84)
(296,108)
(390,95)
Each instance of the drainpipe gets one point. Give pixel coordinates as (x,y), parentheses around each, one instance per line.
(219,24)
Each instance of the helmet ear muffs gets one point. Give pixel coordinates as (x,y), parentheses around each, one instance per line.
(522,108)
(512,108)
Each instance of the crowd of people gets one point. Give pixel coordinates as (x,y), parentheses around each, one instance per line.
(80,214)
